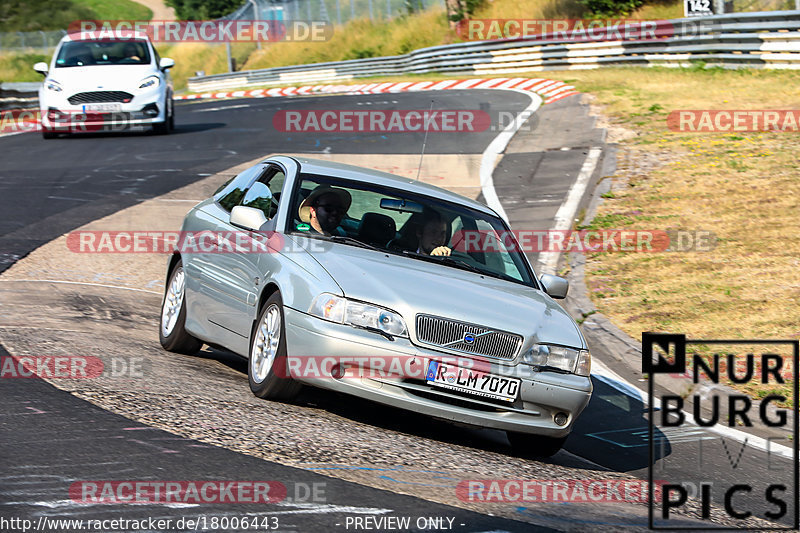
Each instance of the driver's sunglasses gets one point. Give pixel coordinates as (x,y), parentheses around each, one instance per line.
(331,208)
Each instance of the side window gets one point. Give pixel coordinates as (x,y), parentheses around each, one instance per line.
(266,192)
(232,193)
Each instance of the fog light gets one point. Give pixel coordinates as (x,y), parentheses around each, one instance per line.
(561,419)
(151,110)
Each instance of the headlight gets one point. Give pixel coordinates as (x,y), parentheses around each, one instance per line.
(567,359)
(151,81)
(358,314)
(53,85)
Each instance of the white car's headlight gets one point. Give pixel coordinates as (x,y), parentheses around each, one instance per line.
(150,81)
(559,357)
(53,85)
(358,314)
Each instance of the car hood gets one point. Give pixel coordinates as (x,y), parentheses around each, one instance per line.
(102,77)
(412,286)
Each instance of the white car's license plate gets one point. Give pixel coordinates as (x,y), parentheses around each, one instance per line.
(472,381)
(106,108)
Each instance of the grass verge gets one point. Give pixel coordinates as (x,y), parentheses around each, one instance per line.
(743,187)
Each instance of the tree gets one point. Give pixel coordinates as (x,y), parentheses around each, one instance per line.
(204,9)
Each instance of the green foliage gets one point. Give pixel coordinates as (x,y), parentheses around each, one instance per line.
(463,8)
(19,67)
(41,15)
(117,9)
(611,8)
(203,9)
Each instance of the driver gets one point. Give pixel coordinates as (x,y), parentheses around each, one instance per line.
(324,209)
(433,235)
(130,51)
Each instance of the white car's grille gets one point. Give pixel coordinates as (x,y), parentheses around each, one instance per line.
(100,97)
(467,338)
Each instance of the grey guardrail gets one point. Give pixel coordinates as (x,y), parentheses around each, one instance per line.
(760,40)
(18,95)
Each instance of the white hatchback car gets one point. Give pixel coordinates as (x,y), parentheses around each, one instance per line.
(105,83)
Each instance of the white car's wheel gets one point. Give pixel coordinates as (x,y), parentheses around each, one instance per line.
(266,370)
(171,331)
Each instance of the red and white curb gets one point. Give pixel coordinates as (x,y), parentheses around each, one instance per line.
(549,90)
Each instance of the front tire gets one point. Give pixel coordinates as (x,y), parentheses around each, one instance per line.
(172,329)
(267,371)
(161,128)
(534,446)
(47,133)
(171,122)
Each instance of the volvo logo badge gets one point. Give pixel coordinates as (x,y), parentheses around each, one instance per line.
(469,338)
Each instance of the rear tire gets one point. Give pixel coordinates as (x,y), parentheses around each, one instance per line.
(48,133)
(172,328)
(534,446)
(267,371)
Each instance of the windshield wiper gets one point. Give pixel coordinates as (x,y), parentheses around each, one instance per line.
(460,263)
(340,239)
(452,261)
(350,240)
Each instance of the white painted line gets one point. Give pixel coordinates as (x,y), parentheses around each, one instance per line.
(548,261)
(612,379)
(77,283)
(221,108)
(496,147)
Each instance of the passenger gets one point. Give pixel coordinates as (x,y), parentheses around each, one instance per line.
(433,235)
(130,53)
(324,209)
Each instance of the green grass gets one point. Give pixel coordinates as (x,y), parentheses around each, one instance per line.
(117,9)
(19,67)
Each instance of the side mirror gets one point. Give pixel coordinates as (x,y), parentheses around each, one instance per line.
(41,68)
(248,218)
(555,286)
(166,63)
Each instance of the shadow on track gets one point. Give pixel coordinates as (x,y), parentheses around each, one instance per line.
(611,432)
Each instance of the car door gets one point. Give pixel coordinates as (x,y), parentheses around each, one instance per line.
(237,274)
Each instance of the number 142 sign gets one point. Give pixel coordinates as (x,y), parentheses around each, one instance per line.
(698,8)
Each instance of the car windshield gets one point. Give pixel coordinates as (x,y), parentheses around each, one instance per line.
(420,227)
(106,52)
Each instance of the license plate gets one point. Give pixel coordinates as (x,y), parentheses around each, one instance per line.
(108,108)
(484,384)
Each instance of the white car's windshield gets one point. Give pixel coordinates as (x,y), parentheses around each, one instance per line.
(106,52)
(416,226)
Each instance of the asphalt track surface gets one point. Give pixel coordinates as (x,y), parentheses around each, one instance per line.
(51,187)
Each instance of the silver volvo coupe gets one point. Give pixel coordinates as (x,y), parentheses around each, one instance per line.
(386,288)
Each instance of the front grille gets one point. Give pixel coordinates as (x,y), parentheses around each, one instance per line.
(449,335)
(100,97)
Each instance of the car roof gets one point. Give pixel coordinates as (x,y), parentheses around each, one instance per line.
(105,35)
(351,172)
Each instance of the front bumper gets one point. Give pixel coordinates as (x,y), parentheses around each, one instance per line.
(144,110)
(542,395)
